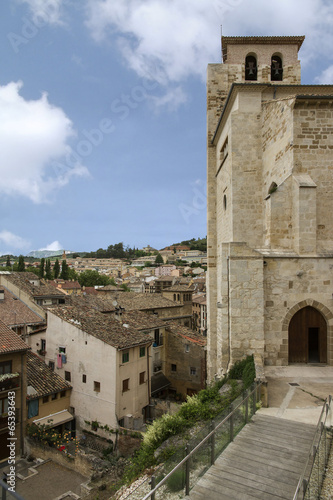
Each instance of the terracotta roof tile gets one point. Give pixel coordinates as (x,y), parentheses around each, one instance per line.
(44,380)
(25,281)
(10,341)
(102,326)
(14,312)
(187,333)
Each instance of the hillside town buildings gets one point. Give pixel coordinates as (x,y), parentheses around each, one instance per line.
(98,357)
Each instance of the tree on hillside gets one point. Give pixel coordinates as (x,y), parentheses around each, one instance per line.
(56,269)
(72,274)
(42,267)
(159,259)
(93,278)
(48,272)
(8,264)
(21,265)
(64,275)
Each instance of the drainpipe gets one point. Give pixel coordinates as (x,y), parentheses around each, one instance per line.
(22,409)
(229,332)
(148,382)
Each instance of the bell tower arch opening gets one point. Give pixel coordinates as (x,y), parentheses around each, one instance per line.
(276,68)
(307,337)
(251,69)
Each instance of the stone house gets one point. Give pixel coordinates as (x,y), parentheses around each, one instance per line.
(270,225)
(13,388)
(185,360)
(181,294)
(199,313)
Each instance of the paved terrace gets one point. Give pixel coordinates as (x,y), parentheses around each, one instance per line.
(268,455)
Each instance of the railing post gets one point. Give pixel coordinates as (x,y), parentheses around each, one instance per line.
(187,471)
(153,484)
(305,487)
(246,406)
(212,444)
(4,492)
(231,423)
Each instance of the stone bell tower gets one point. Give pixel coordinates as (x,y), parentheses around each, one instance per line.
(269,196)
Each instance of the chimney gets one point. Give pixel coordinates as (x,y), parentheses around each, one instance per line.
(2,295)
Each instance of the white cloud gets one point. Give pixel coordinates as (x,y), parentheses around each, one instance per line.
(55,245)
(13,241)
(171,40)
(326,77)
(173,97)
(45,11)
(33,143)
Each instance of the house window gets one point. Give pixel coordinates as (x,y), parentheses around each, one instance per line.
(173,368)
(126,385)
(45,399)
(97,386)
(3,407)
(158,339)
(187,348)
(193,371)
(54,396)
(125,357)
(142,378)
(142,352)
(68,376)
(62,350)
(33,408)
(63,394)
(84,378)
(51,365)
(251,68)
(5,367)
(43,345)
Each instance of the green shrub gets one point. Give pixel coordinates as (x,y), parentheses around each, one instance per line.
(249,374)
(176,482)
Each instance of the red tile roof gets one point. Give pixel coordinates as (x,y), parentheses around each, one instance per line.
(10,341)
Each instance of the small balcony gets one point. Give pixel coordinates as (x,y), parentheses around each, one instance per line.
(9,381)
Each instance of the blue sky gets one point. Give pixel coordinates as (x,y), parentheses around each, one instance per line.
(103,121)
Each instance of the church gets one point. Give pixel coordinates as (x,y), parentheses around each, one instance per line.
(270,207)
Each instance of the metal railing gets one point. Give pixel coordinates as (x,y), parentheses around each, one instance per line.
(6,494)
(311,480)
(201,452)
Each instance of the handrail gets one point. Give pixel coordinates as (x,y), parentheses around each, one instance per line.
(189,455)
(12,494)
(326,406)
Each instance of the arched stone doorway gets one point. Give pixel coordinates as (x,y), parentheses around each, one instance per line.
(307,337)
